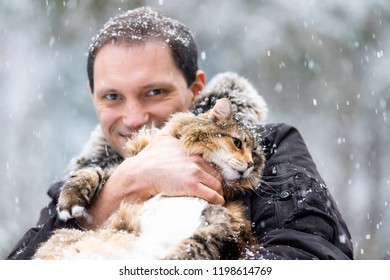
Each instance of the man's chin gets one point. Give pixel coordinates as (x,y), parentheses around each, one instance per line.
(123,141)
(119,145)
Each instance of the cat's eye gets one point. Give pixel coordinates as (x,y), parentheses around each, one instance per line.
(237,142)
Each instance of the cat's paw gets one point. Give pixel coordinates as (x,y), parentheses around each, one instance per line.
(76,211)
(77,192)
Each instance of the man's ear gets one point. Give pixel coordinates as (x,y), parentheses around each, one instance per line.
(89,87)
(198,84)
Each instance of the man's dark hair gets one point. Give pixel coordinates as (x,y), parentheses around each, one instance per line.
(143,25)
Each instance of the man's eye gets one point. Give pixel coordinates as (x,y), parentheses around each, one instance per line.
(155,92)
(111,96)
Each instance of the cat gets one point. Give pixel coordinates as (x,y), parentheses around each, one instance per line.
(169,227)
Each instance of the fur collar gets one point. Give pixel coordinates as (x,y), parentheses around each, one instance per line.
(248,107)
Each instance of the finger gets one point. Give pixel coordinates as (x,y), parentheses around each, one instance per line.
(212,170)
(209,195)
(211,182)
(210,175)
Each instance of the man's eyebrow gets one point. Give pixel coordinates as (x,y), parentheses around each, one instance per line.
(105,89)
(150,86)
(157,85)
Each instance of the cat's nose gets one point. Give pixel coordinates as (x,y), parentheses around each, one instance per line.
(250,163)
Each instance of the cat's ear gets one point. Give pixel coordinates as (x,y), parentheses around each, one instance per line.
(222,110)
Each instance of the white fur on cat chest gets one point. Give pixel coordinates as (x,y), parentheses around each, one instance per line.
(165,223)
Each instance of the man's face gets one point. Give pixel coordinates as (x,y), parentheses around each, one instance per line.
(138,84)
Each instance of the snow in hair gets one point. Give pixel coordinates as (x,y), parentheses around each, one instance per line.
(139,25)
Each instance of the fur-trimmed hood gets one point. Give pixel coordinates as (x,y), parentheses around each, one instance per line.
(248,107)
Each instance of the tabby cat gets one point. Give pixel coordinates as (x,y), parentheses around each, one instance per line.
(169,227)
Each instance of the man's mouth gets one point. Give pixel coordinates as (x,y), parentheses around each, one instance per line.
(126,136)
(126,133)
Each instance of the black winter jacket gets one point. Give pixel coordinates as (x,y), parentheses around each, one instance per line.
(293,214)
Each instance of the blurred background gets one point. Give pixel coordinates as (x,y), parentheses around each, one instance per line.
(322,65)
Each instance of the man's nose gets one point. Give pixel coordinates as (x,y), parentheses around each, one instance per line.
(135,115)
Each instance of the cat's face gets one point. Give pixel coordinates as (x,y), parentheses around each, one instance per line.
(222,141)
(239,160)
(234,156)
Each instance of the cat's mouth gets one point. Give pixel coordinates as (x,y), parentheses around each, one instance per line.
(232,173)
(230,168)
(246,173)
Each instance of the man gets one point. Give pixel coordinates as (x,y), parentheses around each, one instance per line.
(142,67)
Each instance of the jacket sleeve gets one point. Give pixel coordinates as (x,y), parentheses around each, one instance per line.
(293,213)
(48,221)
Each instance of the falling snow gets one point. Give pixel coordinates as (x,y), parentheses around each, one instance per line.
(328,78)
